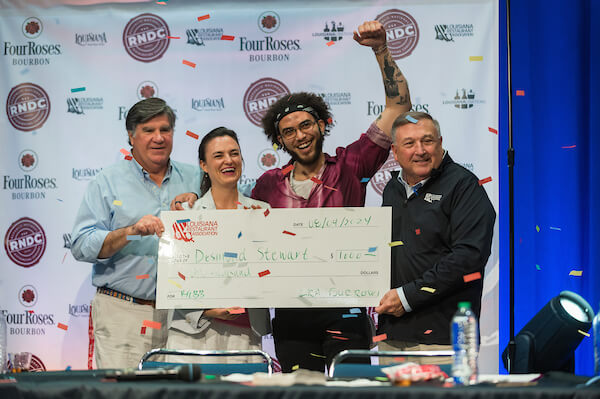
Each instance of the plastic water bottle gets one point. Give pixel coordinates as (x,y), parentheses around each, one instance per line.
(465,343)
(3,346)
(596,332)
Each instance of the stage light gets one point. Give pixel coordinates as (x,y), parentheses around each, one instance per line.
(549,340)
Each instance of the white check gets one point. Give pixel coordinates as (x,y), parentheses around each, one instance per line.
(309,257)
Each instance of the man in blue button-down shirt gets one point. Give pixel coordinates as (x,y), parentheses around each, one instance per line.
(117,229)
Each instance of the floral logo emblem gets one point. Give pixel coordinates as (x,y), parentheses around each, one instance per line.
(269,21)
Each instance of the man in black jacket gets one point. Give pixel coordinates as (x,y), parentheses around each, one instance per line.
(442,226)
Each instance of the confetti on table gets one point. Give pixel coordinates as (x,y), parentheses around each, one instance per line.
(583,333)
(365,180)
(287,169)
(227,37)
(176,284)
(372,249)
(117,203)
(315,180)
(411,119)
(77,89)
(124,151)
(418,231)
(576,273)
(340,338)
(330,188)
(538,267)
(333,331)
(472,277)
(152,324)
(331,43)
(427,332)
(237,311)
(142,276)
(295,367)
(239,234)
(183,220)
(192,135)
(355,310)
(555,228)
(347,316)
(476,58)
(569,146)
(288,232)
(188,63)
(230,254)
(380,337)
(395,243)
(62,326)
(143,331)
(173,37)
(486,180)
(128,157)
(492,130)
(203,17)
(136,237)
(181,276)
(520,93)
(537,228)
(264,273)
(266,212)
(428,289)
(315,355)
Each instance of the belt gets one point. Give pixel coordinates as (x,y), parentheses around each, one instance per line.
(125,297)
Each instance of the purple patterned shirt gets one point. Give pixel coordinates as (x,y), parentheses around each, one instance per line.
(341,176)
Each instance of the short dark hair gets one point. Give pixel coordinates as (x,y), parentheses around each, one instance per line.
(217,132)
(405,119)
(144,110)
(320,110)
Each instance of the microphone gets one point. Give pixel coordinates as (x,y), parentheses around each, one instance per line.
(186,372)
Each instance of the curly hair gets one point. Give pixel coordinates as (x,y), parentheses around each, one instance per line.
(304,99)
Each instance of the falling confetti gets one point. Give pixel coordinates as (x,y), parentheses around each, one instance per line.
(152,324)
(576,273)
(181,276)
(230,255)
(411,119)
(472,277)
(486,180)
(227,37)
(77,89)
(331,43)
(569,146)
(315,180)
(492,130)
(395,243)
(583,333)
(355,310)
(537,228)
(365,180)
(192,135)
(62,326)
(520,93)
(142,276)
(264,273)
(380,337)
(188,63)
(237,311)
(428,289)
(117,203)
(427,332)
(476,58)
(287,169)
(288,232)
(173,37)
(203,17)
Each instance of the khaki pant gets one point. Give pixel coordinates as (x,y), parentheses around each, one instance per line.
(118,342)
(391,345)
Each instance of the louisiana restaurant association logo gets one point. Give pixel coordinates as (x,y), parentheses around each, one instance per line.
(28,296)
(260,95)
(27,107)
(464,99)
(447,33)
(145,37)
(402,32)
(25,242)
(332,32)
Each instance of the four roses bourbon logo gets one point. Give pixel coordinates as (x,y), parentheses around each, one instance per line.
(259,97)
(402,32)
(145,37)
(25,242)
(27,107)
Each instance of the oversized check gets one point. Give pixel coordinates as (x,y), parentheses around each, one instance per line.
(309,257)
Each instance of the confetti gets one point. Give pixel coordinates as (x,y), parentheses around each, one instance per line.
(239,234)
(333,331)
(30,311)
(411,119)
(330,188)
(64,257)
(380,337)
(117,203)
(236,311)
(492,130)
(152,324)
(372,249)
(427,332)
(142,276)
(202,18)
(275,146)
(143,331)
(173,37)
(472,277)
(181,276)
(355,310)
(315,355)
(124,151)
(520,93)
(175,283)
(188,63)
(537,228)
(365,180)
(287,169)
(266,212)
(183,220)
(331,43)
(296,367)
(330,120)
(230,254)
(192,135)
(347,316)
(384,379)
(77,89)
(395,243)
(486,180)
(238,203)
(569,146)
(576,273)
(583,333)
(315,180)
(264,273)
(134,237)
(555,228)
(340,338)
(538,267)
(62,326)
(227,37)
(476,58)
(418,231)
(428,289)
(128,157)
(162,3)
(288,232)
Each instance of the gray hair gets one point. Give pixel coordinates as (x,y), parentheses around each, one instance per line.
(409,117)
(145,110)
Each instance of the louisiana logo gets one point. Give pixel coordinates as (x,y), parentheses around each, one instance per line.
(145,37)
(27,107)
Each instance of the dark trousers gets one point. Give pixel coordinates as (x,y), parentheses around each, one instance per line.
(310,338)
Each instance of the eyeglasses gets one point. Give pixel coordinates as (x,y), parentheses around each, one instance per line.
(304,127)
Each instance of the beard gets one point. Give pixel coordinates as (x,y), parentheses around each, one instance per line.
(310,160)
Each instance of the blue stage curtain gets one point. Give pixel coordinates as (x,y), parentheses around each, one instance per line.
(556,62)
